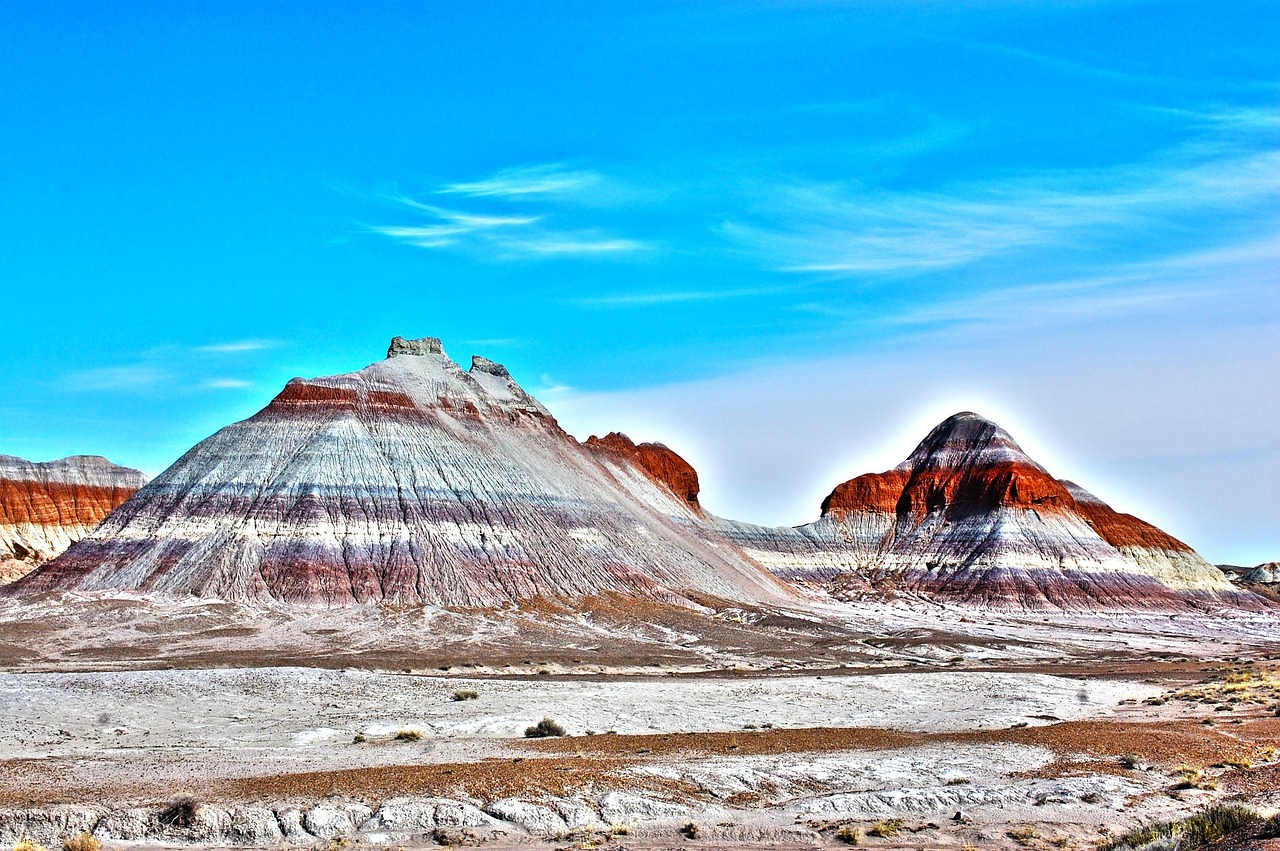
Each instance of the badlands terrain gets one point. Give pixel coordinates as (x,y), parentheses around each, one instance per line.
(402,607)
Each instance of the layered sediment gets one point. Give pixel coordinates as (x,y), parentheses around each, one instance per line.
(47,506)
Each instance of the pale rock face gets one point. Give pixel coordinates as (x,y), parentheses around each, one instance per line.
(970,517)
(45,507)
(410,481)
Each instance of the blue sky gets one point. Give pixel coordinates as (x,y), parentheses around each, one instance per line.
(784,238)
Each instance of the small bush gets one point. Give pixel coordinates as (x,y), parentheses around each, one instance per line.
(544,728)
(465,694)
(1196,831)
(849,835)
(83,842)
(358,739)
(885,829)
(179,813)
(690,830)
(28,845)
(408,736)
(619,829)
(1130,762)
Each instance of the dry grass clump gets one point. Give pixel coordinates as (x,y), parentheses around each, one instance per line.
(28,845)
(848,834)
(83,842)
(1024,836)
(885,829)
(1211,824)
(408,736)
(544,728)
(465,694)
(1192,778)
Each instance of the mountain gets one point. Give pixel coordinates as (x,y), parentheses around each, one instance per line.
(412,481)
(46,506)
(415,481)
(970,517)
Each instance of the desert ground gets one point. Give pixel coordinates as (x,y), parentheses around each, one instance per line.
(209,724)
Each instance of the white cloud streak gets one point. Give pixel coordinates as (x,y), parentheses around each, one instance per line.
(521,182)
(505,236)
(841,229)
(117,378)
(238,346)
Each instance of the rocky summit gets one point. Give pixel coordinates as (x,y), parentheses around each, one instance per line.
(970,517)
(412,481)
(46,506)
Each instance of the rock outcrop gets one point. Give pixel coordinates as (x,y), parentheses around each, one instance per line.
(412,481)
(47,506)
(970,517)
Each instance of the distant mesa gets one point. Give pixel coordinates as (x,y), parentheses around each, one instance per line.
(415,481)
(1267,573)
(47,506)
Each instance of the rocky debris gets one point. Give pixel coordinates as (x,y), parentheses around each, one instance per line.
(411,481)
(47,506)
(969,517)
(395,819)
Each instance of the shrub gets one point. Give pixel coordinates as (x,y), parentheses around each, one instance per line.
(1209,825)
(848,834)
(83,842)
(408,736)
(885,829)
(465,694)
(690,830)
(180,812)
(545,727)
(1130,762)
(358,739)
(28,845)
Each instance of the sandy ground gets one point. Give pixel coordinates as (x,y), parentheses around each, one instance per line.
(775,727)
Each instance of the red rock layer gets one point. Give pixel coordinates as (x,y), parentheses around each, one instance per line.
(1122,530)
(45,507)
(869,492)
(657,461)
(59,503)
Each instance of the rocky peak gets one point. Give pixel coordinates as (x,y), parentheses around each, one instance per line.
(483,364)
(421,346)
(966,439)
(658,462)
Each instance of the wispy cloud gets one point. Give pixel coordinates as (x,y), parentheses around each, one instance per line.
(119,378)
(1236,279)
(227,384)
(520,182)
(583,242)
(845,229)
(644,299)
(238,346)
(506,236)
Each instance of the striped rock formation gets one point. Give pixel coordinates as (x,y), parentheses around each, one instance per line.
(47,506)
(970,517)
(412,481)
